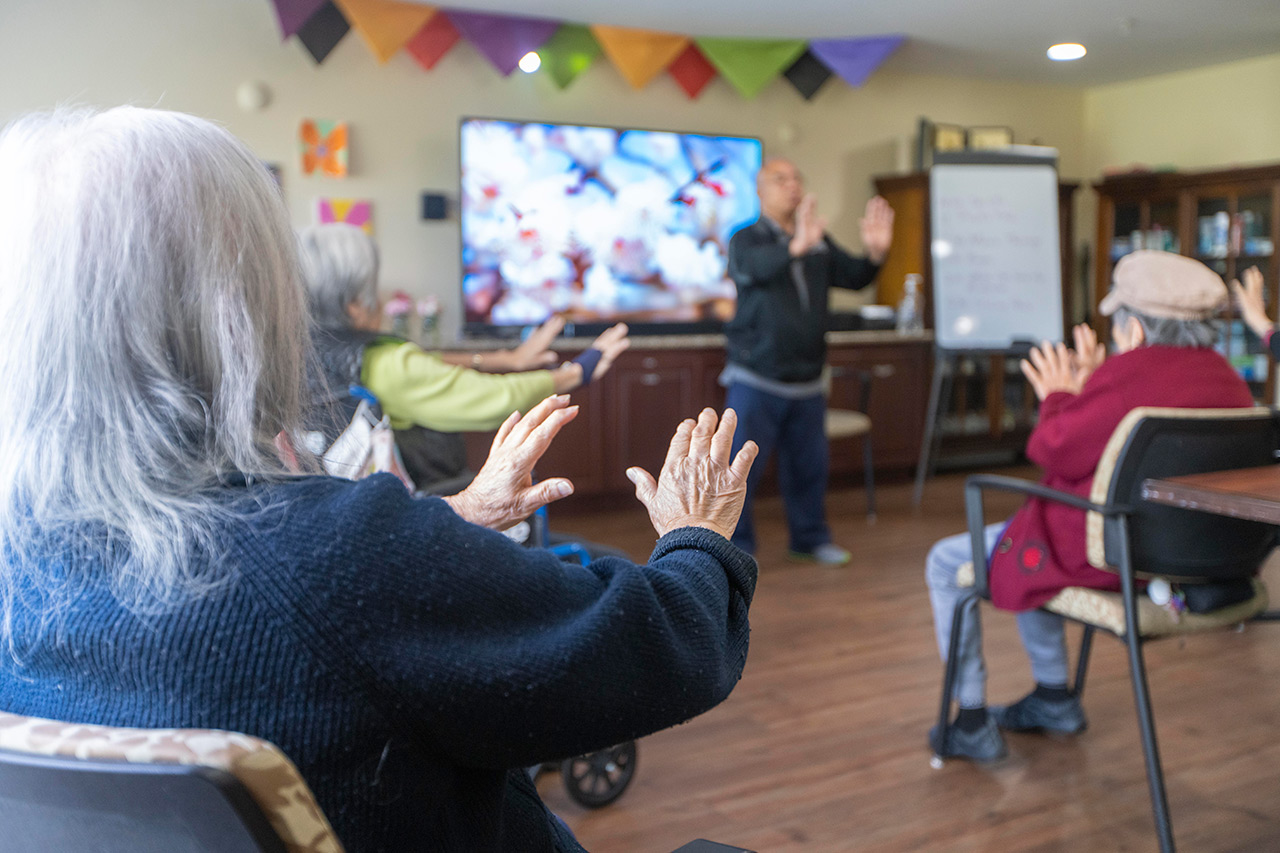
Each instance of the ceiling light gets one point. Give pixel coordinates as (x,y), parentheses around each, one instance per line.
(530,62)
(1065,52)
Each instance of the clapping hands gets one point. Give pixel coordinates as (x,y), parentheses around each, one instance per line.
(1052,367)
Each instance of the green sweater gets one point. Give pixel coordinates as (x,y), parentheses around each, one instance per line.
(415,387)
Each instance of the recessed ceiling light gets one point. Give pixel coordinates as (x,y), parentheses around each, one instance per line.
(1065,52)
(530,62)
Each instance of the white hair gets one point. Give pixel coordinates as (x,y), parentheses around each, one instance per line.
(1168,332)
(154,336)
(340,268)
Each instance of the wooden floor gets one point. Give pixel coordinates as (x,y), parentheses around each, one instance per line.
(821,747)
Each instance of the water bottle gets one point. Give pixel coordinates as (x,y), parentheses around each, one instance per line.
(910,318)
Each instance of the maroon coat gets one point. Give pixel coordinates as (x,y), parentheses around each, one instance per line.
(1043,549)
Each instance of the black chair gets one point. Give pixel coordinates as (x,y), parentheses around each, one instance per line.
(69,787)
(1139,539)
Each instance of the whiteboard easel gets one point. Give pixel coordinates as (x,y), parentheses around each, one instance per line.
(997,265)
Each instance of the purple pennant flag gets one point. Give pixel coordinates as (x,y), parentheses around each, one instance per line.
(855,59)
(503,39)
(294,13)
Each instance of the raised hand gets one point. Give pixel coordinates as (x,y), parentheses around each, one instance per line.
(1253,309)
(503,493)
(877,229)
(1049,368)
(1089,353)
(698,486)
(809,227)
(612,342)
(533,352)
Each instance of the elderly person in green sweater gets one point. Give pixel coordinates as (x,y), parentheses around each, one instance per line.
(425,395)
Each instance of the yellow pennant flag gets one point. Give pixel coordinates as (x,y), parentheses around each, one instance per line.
(385,25)
(639,55)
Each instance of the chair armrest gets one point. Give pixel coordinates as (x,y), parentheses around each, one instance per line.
(975,515)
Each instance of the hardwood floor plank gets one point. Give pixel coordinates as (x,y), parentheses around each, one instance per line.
(821,747)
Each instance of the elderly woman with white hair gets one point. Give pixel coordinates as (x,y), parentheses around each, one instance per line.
(1163,308)
(160,566)
(423,394)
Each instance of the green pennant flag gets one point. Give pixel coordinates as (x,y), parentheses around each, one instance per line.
(568,53)
(749,64)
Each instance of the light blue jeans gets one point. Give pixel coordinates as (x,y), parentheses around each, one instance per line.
(1042,633)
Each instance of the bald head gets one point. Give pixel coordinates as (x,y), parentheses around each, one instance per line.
(780,187)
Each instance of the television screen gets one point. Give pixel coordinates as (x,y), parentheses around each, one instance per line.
(600,224)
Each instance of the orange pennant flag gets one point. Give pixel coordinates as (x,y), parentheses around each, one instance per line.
(639,55)
(385,25)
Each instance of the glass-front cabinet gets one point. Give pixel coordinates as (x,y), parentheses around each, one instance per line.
(1226,219)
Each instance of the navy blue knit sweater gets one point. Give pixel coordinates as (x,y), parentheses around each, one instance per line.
(403,658)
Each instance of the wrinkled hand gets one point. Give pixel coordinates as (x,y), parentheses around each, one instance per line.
(877,229)
(809,227)
(1253,308)
(612,343)
(533,352)
(1050,369)
(698,486)
(1089,353)
(503,492)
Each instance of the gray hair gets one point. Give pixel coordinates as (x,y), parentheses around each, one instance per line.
(339,268)
(1163,331)
(154,337)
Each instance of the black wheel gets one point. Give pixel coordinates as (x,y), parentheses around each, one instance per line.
(598,778)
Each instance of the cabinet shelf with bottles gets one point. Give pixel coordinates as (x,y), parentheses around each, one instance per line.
(1227,219)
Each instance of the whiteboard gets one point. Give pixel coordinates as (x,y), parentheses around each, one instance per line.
(997,267)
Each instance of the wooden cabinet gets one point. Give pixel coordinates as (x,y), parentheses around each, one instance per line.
(628,417)
(651,392)
(1229,219)
(899,385)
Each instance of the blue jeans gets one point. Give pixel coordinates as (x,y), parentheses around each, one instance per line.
(1042,632)
(795,428)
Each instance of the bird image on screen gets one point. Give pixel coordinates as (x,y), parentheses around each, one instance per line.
(600,224)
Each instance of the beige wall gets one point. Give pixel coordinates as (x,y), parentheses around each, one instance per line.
(192,54)
(1209,118)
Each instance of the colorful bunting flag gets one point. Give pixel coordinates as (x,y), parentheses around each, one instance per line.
(808,74)
(692,71)
(352,211)
(568,53)
(436,38)
(855,59)
(639,55)
(385,25)
(322,31)
(503,39)
(324,147)
(292,14)
(749,64)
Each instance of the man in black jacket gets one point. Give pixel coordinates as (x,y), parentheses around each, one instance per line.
(783,265)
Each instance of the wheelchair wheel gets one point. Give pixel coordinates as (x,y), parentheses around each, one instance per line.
(598,778)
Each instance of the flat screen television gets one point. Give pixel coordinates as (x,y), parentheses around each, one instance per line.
(600,225)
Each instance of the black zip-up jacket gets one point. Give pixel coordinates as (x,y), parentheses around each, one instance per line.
(773,334)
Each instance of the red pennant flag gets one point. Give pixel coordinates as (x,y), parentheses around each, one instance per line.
(436,38)
(692,71)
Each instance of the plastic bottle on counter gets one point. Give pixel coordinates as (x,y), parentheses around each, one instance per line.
(910,313)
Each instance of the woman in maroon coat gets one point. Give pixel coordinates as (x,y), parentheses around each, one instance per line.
(1162,308)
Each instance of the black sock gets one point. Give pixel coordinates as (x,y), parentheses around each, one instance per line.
(1052,692)
(971,719)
